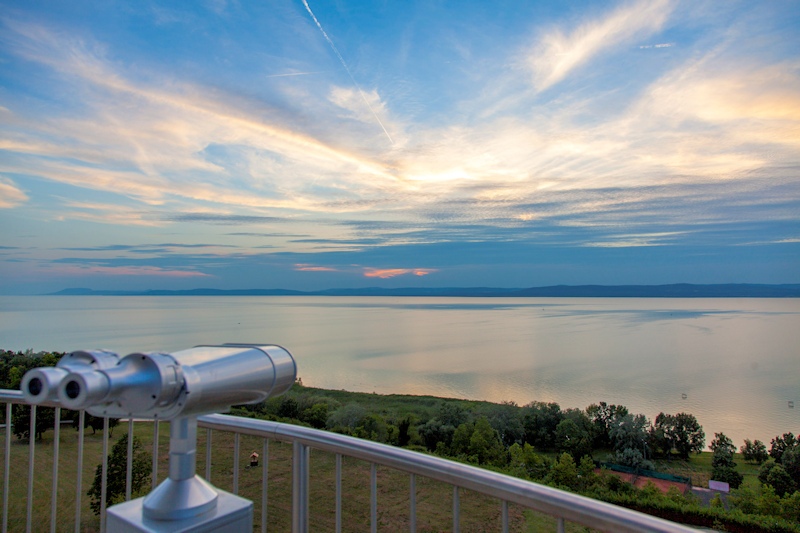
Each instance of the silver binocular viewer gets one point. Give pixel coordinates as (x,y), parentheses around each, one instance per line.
(177,387)
(203,379)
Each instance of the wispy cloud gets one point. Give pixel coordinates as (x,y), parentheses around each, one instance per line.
(301,267)
(91,270)
(557,54)
(347,69)
(10,194)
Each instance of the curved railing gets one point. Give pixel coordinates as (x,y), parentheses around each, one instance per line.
(563,505)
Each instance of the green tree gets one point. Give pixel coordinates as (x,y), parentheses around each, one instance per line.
(769,503)
(728,475)
(574,438)
(461,437)
(540,420)
(745,499)
(780,444)
(434,432)
(631,457)
(404,430)
(485,445)
(373,427)
(723,449)
(452,414)
(316,415)
(21,420)
(347,418)
(716,502)
(754,451)
(564,472)
(629,432)
(790,460)
(117,473)
(680,432)
(94,422)
(586,475)
(506,419)
(602,416)
(288,408)
(528,463)
(775,476)
(791,506)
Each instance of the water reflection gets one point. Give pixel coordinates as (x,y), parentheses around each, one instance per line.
(736,361)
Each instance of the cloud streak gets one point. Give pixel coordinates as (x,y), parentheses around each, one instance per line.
(127,271)
(347,69)
(556,54)
(386,273)
(10,194)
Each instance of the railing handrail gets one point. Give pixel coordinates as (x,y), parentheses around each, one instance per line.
(572,507)
(542,498)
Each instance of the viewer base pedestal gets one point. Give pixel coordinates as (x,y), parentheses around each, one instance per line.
(232,514)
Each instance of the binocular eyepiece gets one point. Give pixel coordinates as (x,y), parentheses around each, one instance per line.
(203,379)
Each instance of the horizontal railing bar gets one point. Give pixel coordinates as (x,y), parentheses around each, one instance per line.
(555,502)
(11,396)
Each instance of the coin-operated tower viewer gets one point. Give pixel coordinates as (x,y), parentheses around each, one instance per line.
(177,387)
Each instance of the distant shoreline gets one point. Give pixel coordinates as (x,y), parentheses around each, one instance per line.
(679,290)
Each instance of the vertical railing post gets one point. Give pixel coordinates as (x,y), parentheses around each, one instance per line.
(31,455)
(236,463)
(560,525)
(456,510)
(264,485)
(129,465)
(7,465)
(504,514)
(104,477)
(155,456)
(299,487)
(413,499)
(208,455)
(373,498)
(54,488)
(338,493)
(79,476)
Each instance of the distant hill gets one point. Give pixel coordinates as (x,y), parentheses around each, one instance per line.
(679,290)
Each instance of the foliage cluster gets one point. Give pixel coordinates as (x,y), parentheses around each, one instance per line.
(117,474)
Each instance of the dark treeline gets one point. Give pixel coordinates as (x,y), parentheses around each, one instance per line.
(538,441)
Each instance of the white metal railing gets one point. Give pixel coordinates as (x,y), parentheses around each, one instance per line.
(564,506)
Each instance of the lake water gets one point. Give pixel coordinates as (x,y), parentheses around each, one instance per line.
(733,363)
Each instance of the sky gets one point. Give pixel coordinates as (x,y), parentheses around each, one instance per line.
(311,144)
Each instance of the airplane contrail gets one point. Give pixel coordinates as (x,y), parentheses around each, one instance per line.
(341,60)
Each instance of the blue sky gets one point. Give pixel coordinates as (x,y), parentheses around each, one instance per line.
(285,144)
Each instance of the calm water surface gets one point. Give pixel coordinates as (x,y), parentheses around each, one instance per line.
(736,361)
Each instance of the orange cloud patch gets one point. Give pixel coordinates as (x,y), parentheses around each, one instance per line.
(385,273)
(302,267)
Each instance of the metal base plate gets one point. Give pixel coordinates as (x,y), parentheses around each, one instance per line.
(232,514)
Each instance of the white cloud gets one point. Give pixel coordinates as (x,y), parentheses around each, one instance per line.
(10,194)
(557,54)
